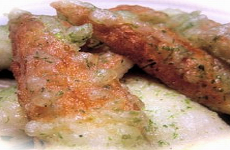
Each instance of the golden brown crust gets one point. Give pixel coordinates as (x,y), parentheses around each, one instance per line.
(203,32)
(54,80)
(163,54)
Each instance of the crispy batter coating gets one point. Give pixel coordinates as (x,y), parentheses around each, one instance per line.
(197,28)
(158,51)
(144,13)
(55,80)
(215,40)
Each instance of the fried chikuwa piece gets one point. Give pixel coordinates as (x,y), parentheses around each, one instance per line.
(158,51)
(71,97)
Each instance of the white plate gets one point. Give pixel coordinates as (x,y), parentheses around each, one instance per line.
(217,10)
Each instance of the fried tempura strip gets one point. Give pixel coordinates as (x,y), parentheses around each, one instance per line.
(54,80)
(73,98)
(215,40)
(144,13)
(197,28)
(158,51)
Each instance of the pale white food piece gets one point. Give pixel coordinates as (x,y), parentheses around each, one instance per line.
(12,121)
(178,122)
(5,48)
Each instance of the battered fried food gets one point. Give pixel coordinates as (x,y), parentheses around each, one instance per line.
(12,119)
(215,40)
(144,13)
(158,51)
(202,32)
(72,98)
(37,59)
(179,123)
(196,27)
